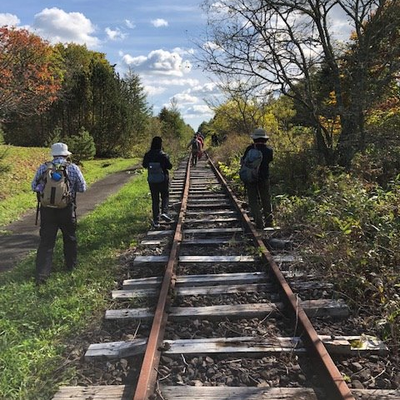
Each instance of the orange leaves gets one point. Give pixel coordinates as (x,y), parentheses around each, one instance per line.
(30,78)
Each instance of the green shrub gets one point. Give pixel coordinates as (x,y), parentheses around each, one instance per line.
(349,229)
(82,146)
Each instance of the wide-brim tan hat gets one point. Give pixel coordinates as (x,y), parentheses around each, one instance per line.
(259,133)
(60,149)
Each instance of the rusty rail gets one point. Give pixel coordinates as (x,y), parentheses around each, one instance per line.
(148,373)
(341,390)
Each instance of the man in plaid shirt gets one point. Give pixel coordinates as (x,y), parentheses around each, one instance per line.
(52,219)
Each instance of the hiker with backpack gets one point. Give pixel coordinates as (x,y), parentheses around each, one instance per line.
(157,163)
(195,145)
(254,172)
(200,138)
(56,183)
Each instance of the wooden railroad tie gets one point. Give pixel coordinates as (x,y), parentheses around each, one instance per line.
(239,346)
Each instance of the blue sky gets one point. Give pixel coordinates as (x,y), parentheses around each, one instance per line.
(154,38)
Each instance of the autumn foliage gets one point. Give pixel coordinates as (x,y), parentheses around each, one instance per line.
(30,76)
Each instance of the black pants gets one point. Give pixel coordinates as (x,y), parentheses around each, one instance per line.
(260,203)
(157,190)
(52,219)
(195,156)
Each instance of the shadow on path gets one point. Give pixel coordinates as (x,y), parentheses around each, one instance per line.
(23,236)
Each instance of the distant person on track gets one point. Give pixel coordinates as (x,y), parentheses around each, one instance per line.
(258,189)
(157,163)
(195,145)
(200,138)
(214,140)
(59,214)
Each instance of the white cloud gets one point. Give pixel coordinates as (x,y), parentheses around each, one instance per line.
(210,46)
(201,109)
(56,26)
(115,34)
(209,88)
(197,113)
(176,82)
(9,19)
(185,98)
(130,24)
(154,90)
(159,62)
(220,8)
(183,52)
(133,61)
(159,22)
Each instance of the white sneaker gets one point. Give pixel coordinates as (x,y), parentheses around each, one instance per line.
(166,217)
(155,224)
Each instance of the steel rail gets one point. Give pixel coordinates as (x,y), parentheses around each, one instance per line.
(339,386)
(148,374)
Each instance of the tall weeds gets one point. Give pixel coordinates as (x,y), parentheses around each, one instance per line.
(347,222)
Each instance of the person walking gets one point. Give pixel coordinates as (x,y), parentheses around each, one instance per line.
(59,212)
(200,139)
(195,146)
(157,163)
(258,192)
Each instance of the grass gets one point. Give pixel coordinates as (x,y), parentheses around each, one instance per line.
(35,323)
(20,164)
(348,225)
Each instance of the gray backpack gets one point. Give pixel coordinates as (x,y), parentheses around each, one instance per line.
(56,192)
(250,166)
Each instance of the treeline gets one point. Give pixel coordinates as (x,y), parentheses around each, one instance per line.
(340,90)
(332,110)
(294,141)
(67,92)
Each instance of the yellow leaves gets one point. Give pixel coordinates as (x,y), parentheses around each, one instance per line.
(332,125)
(331,101)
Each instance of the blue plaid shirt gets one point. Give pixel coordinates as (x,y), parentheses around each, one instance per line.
(76,179)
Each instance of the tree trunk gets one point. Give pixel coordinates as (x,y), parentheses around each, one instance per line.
(349,141)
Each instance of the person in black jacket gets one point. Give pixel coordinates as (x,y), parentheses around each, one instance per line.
(157,163)
(259,192)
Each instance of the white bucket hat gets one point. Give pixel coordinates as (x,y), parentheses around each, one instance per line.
(259,133)
(60,149)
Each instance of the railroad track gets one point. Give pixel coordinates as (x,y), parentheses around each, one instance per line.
(211,313)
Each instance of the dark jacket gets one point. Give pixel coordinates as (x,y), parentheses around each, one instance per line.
(156,155)
(267,153)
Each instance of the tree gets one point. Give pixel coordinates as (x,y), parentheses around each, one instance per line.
(281,46)
(139,112)
(113,110)
(173,128)
(82,146)
(30,76)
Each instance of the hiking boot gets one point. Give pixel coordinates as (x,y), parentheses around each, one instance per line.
(70,268)
(166,217)
(41,280)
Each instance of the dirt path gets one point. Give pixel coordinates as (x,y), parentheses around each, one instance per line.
(23,235)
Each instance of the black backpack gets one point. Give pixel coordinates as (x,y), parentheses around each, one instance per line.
(155,173)
(195,145)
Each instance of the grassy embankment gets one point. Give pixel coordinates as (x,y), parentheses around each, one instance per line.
(347,222)
(36,323)
(20,164)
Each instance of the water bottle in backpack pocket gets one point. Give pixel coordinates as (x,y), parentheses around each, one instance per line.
(250,166)
(155,173)
(56,188)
